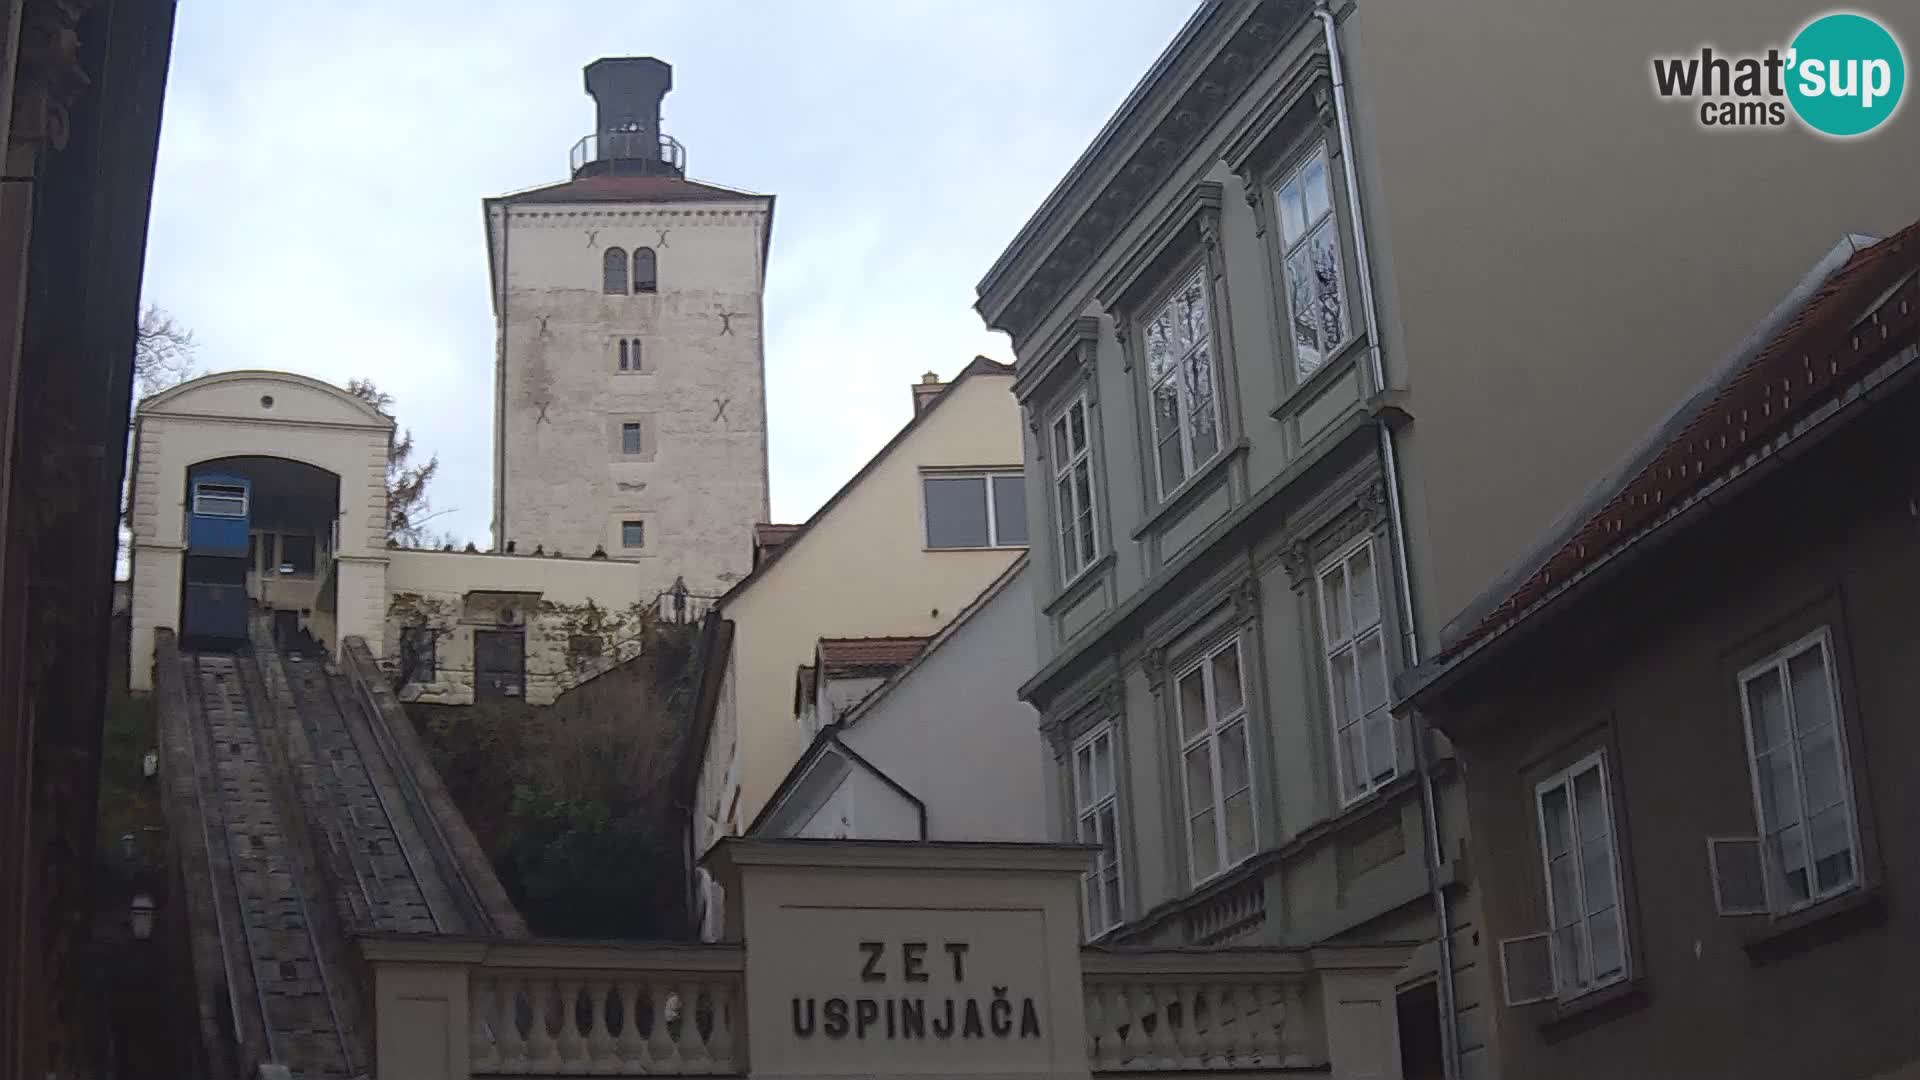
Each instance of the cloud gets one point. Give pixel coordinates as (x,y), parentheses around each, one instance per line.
(317,204)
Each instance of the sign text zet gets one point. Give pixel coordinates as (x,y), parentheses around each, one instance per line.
(911,1014)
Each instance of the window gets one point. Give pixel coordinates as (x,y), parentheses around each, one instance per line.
(1587,941)
(1796,751)
(630,437)
(220,500)
(1073,489)
(1310,239)
(629,350)
(613,272)
(1210,700)
(633,534)
(418,663)
(976,511)
(645,276)
(1363,737)
(1186,411)
(1097,817)
(297,555)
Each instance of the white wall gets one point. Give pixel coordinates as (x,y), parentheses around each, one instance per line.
(267,414)
(700,483)
(953,730)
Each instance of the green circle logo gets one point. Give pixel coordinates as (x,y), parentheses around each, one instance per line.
(1846,75)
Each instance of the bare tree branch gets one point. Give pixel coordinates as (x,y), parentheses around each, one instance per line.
(163,352)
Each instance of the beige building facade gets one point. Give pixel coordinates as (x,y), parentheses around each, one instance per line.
(869,563)
(630,408)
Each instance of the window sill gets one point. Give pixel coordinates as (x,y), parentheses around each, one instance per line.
(986,547)
(1081,584)
(1813,926)
(1181,497)
(1594,1008)
(1343,360)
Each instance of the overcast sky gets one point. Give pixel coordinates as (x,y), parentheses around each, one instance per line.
(317,207)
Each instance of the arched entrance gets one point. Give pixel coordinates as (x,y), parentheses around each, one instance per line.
(261,535)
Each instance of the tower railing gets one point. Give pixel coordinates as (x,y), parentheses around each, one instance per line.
(628,145)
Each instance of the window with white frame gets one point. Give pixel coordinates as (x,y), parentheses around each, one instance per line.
(1587,941)
(975,510)
(1803,798)
(1180,382)
(1315,283)
(1097,815)
(1364,745)
(211,499)
(1216,763)
(1073,488)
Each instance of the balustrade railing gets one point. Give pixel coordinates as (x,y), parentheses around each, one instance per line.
(1190,1012)
(603,1023)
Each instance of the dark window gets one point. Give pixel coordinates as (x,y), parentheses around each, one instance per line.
(499,664)
(630,438)
(418,662)
(1421,1053)
(220,500)
(613,272)
(633,534)
(985,510)
(266,552)
(583,652)
(629,354)
(297,555)
(645,274)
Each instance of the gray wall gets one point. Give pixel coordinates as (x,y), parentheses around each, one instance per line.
(1649,673)
(1563,255)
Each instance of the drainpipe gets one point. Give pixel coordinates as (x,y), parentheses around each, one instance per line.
(500,389)
(1389,464)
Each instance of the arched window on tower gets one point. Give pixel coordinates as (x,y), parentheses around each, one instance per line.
(613,272)
(645,276)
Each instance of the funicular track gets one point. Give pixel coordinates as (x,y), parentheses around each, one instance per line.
(292,1004)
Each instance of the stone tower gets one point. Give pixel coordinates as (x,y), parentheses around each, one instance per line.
(630,402)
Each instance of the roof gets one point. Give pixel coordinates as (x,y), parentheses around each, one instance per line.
(841,656)
(954,626)
(979,365)
(827,742)
(590,189)
(1858,306)
(768,539)
(159,402)
(803,683)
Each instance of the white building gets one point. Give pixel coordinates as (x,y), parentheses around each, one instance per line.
(630,407)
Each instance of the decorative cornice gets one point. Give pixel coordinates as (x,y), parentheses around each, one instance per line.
(1153,664)
(1246,601)
(1297,561)
(1076,346)
(1113,699)
(1163,149)
(51,77)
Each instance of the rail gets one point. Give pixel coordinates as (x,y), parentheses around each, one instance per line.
(627,145)
(1200,1011)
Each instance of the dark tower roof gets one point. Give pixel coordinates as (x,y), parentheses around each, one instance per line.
(627,141)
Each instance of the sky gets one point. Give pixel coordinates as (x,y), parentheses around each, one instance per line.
(317,202)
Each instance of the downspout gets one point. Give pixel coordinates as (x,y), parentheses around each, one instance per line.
(1389,464)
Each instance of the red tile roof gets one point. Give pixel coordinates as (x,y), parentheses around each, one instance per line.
(846,655)
(1830,341)
(629,189)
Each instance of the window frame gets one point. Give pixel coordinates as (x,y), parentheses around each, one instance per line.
(1316,149)
(651,282)
(1209,735)
(631,355)
(226,493)
(1195,269)
(640,526)
(638,445)
(1564,778)
(614,260)
(1340,560)
(1778,906)
(1064,517)
(993,531)
(1088,811)
(285,567)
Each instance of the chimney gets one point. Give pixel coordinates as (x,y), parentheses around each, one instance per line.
(924,391)
(627,91)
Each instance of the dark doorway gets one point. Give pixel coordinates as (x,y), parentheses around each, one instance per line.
(1421,1053)
(499,664)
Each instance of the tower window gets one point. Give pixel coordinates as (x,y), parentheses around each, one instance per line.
(633,534)
(629,349)
(630,438)
(613,272)
(645,274)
